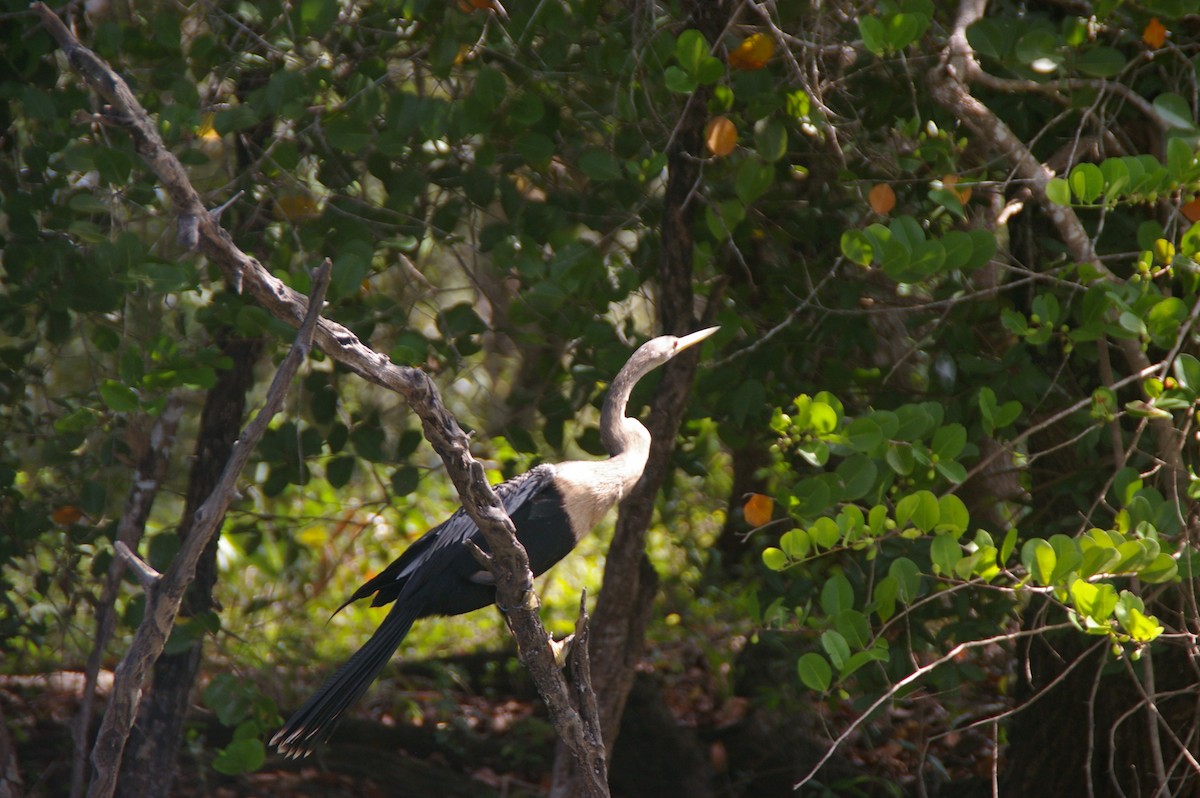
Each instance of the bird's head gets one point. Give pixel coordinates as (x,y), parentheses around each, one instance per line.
(657,351)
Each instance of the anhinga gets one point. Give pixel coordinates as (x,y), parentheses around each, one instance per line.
(552,506)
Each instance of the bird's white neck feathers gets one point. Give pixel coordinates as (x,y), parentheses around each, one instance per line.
(590,488)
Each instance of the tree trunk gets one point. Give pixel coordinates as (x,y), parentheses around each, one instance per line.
(149,765)
(630,582)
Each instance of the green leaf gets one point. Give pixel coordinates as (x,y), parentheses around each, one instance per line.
(770,139)
(753,179)
(795,543)
(1164,321)
(920,509)
(908,578)
(814,672)
(1141,627)
(774,558)
(837,595)
(1186,369)
(904,29)
(1101,62)
(944,553)
(405,480)
(1038,557)
(318,15)
(690,48)
(836,647)
(600,165)
(1039,45)
(709,71)
(1058,191)
(958,246)
(953,515)
(857,473)
(874,34)
(884,597)
(1067,557)
(854,627)
(240,756)
(1010,543)
(1174,111)
(949,441)
(1086,182)
(1164,568)
(228,698)
(1096,601)
(339,470)
(118,396)
(1181,155)
(856,246)
(679,81)
(983,248)
(824,532)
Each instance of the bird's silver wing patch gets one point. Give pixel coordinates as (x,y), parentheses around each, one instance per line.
(483,578)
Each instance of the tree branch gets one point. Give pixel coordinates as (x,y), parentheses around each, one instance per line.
(198,229)
(147,478)
(164,594)
(948,83)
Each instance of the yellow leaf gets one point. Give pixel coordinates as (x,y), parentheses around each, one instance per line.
(206,130)
(66,515)
(720,136)
(1155,33)
(758,509)
(882,199)
(296,207)
(753,53)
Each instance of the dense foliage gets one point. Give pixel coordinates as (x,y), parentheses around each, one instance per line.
(951,251)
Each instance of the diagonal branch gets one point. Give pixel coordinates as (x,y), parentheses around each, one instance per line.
(198,229)
(143,489)
(164,595)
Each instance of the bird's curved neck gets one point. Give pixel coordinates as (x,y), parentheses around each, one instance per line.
(619,433)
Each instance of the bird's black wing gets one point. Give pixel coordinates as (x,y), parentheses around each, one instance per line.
(443,543)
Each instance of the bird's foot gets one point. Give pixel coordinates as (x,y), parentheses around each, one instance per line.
(561,649)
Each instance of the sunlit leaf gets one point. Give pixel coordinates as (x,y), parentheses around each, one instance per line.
(1155,33)
(753,53)
(720,136)
(758,509)
(881,198)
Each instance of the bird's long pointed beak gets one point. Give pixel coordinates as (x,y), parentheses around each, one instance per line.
(694,338)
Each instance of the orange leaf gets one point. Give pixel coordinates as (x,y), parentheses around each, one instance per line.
(758,509)
(963,194)
(1155,33)
(471,6)
(1191,210)
(721,136)
(882,199)
(66,515)
(753,53)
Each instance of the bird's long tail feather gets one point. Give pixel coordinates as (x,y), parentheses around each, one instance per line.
(313,722)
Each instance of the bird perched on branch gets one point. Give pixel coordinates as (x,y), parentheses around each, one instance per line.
(552,506)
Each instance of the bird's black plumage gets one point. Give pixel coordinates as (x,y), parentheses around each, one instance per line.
(551,506)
